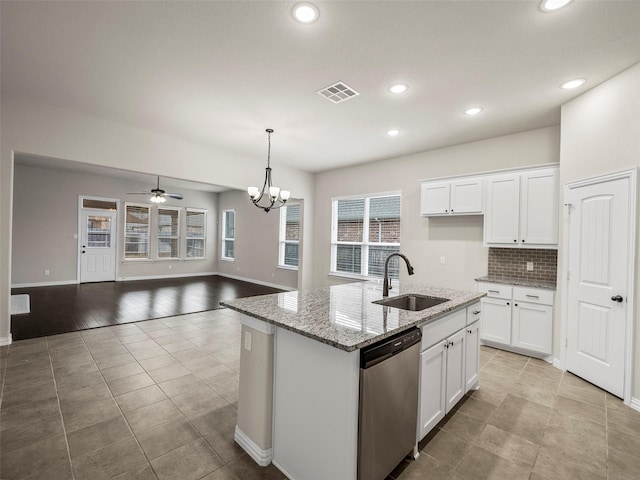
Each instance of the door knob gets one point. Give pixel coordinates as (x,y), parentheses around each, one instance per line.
(617,298)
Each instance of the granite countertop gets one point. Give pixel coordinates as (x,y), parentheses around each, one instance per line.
(518,282)
(344,316)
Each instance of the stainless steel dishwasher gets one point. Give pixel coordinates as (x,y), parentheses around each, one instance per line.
(388,415)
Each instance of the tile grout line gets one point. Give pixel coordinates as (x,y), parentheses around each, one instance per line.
(64,427)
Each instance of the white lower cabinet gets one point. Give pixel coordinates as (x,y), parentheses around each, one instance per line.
(449,368)
(517,317)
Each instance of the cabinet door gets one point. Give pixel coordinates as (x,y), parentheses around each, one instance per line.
(539,207)
(472,360)
(532,327)
(467,196)
(433,364)
(495,324)
(434,198)
(501,217)
(456,379)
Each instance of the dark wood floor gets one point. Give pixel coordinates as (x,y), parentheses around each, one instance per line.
(68,308)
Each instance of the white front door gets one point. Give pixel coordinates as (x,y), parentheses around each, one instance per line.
(598,270)
(98,245)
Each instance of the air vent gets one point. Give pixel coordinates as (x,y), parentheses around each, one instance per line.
(338,92)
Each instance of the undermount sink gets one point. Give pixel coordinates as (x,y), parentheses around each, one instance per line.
(411,302)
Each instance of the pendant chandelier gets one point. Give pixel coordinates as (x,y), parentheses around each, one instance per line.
(269,197)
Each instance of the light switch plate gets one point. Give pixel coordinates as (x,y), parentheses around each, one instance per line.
(442,260)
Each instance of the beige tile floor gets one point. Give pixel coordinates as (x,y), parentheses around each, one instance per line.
(157,400)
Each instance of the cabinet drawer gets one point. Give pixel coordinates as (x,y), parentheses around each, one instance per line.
(443,327)
(533,295)
(473,313)
(495,290)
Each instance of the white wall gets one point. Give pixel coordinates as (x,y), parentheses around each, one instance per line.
(601,134)
(256,243)
(45,219)
(424,241)
(51,131)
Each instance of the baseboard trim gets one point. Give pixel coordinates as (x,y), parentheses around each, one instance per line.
(556,363)
(261,457)
(4,341)
(160,277)
(259,282)
(635,404)
(44,284)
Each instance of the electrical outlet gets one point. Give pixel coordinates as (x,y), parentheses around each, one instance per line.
(247,341)
(170,267)
(46,273)
(443,260)
(529,266)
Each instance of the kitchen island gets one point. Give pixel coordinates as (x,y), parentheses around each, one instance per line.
(299,370)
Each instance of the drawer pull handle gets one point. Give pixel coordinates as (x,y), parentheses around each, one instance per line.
(493,291)
(532,296)
(476,312)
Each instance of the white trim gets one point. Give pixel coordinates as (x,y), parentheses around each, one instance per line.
(635,404)
(493,172)
(260,456)
(173,275)
(223,233)
(79,232)
(45,284)
(632,175)
(4,341)
(556,363)
(258,325)
(259,282)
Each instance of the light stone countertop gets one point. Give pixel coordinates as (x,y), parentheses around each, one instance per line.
(519,282)
(344,316)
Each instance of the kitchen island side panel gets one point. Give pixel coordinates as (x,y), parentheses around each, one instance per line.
(316,390)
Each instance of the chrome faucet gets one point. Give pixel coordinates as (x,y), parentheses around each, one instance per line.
(387,281)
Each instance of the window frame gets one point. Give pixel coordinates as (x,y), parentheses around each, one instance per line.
(282,240)
(187,237)
(365,244)
(224,237)
(149,213)
(172,237)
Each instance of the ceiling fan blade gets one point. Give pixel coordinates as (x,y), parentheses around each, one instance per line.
(138,193)
(177,196)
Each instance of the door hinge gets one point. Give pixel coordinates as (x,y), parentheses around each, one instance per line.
(568,275)
(566,341)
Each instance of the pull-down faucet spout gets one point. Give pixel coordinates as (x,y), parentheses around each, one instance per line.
(387,281)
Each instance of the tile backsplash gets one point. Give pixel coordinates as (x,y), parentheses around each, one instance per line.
(512,263)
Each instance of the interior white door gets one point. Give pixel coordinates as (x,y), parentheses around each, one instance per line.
(599,235)
(98,247)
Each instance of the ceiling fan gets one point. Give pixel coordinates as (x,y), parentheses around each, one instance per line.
(158,195)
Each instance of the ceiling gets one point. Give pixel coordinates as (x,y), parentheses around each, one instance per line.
(219,72)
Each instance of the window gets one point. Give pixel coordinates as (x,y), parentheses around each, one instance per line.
(364,232)
(196,233)
(289,236)
(228,234)
(136,232)
(168,233)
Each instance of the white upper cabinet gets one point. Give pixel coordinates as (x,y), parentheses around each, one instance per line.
(462,196)
(522,209)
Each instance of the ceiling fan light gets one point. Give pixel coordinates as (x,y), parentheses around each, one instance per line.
(305,13)
(274,192)
(284,195)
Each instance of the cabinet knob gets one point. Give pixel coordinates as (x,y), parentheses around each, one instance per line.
(522,240)
(446,211)
(476,312)
(515,304)
(508,303)
(515,240)
(617,298)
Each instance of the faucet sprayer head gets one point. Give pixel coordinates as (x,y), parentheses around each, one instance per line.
(410,269)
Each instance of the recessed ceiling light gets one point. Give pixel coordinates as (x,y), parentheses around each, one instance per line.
(305,13)
(573,83)
(393,133)
(398,88)
(553,5)
(473,111)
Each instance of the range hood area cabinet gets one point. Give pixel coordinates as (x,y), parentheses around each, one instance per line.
(461,196)
(522,209)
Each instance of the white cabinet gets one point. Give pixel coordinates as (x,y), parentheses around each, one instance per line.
(522,209)
(449,366)
(518,318)
(472,356)
(462,196)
